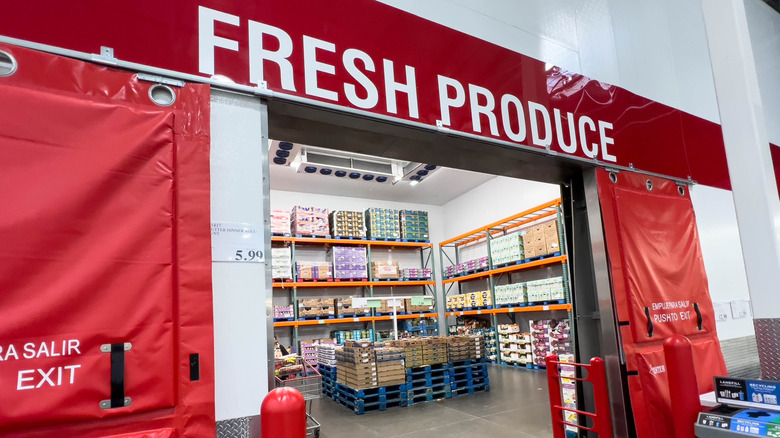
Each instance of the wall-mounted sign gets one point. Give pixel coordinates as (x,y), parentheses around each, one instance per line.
(237,242)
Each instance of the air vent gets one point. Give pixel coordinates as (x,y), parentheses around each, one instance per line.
(372,166)
(327,160)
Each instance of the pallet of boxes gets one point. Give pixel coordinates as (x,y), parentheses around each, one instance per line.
(363,383)
(541,240)
(316,308)
(468,371)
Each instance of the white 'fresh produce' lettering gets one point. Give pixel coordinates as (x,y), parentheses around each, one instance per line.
(572,132)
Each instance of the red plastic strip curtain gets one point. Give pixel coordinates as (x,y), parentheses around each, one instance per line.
(105,256)
(660,288)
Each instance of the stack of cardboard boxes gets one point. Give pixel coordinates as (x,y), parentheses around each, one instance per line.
(281,263)
(310,221)
(347,224)
(417,308)
(466,347)
(479,264)
(391,369)
(545,290)
(284,312)
(413,351)
(507,249)
(390,305)
(280,222)
(385,269)
(382,223)
(313,270)
(422,273)
(345,308)
(435,350)
(326,354)
(356,365)
(349,262)
(541,239)
(316,307)
(513,293)
(470,300)
(414,225)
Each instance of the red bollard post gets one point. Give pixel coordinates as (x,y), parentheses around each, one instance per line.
(683,389)
(283,414)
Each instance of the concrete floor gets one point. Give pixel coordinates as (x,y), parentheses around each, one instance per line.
(516,406)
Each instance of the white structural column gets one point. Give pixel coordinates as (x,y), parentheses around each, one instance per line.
(750,168)
(239,288)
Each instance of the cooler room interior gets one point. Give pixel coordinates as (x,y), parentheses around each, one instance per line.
(472,324)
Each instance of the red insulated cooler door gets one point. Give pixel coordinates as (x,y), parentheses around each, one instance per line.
(104,254)
(660,288)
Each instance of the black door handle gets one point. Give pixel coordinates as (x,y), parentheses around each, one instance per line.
(649,323)
(699,319)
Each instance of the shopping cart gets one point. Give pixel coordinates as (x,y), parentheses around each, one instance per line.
(294,372)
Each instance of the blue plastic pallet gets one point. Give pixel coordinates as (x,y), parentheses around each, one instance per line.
(427,382)
(388,393)
(469,374)
(385,398)
(432,373)
(542,257)
(463,368)
(315,318)
(507,306)
(429,397)
(467,309)
(379,390)
(349,238)
(469,383)
(547,303)
(467,362)
(313,236)
(384,239)
(361,409)
(428,368)
(414,392)
(283,319)
(470,389)
(281,234)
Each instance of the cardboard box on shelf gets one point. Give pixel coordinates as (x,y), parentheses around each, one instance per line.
(280,222)
(385,269)
(310,221)
(550,228)
(349,262)
(552,247)
(347,224)
(281,263)
(313,270)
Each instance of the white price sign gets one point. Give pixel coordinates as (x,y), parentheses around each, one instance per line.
(237,242)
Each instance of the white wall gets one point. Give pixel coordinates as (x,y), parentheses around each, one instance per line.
(720,244)
(764,25)
(498,198)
